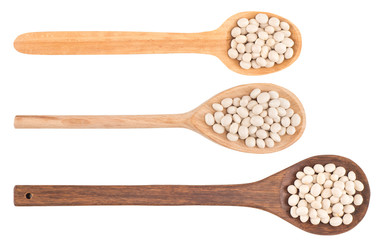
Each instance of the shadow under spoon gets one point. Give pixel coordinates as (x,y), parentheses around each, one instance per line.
(269,194)
(216,42)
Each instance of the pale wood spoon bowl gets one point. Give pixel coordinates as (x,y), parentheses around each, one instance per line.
(269,194)
(216,42)
(193,120)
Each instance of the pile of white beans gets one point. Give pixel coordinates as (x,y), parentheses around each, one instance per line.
(325,194)
(260,118)
(261,42)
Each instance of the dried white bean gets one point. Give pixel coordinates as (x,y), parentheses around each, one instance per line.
(358,199)
(209,119)
(218,128)
(359,186)
(289,53)
(291,130)
(232,137)
(295,121)
(335,221)
(269,142)
(260,143)
(261,18)
(242,22)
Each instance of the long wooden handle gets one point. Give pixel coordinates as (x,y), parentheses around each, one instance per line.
(77,43)
(230,195)
(107,121)
(264,194)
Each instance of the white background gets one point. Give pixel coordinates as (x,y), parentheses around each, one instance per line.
(338,78)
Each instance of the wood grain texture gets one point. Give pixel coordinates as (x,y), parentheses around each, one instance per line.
(216,42)
(193,120)
(269,194)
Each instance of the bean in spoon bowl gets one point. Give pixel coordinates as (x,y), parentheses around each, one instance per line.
(216,42)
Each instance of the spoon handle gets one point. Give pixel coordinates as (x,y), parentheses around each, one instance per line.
(224,195)
(102,42)
(103,121)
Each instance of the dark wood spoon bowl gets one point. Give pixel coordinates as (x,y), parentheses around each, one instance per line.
(269,194)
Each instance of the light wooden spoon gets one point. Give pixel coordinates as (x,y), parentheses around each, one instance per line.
(269,194)
(216,42)
(193,120)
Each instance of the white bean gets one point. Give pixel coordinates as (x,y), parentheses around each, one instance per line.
(226,102)
(347,219)
(242,112)
(289,53)
(243,22)
(218,128)
(257,121)
(272,55)
(301,210)
(218,116)
(330,167)
(233,53)
(295,120)
(234,128)
(316,190)
(276,127)
(260,143)
(217,107)
(308,170)
(278,36)
(250,142)
(243,132)
(349,208)
(358,199)
(269,142)
(359,186)
(339,171)
(261,18)
(252,28)
(307,179)
(245,65)
(304,218)
(275,137)
(335,221)
(232,137)
(241,39)
(288,42)
(209,119)
(280,48)
(263,97)
(336,192)
(291,130)
(293,212)
(284,26)
(284,103)
(318,168)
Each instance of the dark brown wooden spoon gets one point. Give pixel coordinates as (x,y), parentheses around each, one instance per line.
(269,194)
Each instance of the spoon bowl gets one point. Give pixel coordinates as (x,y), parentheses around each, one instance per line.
(323,229)
(198,124)
(216,42)
(225,31)
(269,194)
(193,120)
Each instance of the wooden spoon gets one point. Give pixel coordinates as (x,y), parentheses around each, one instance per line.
(193,120)
(216,42)
(269,194)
